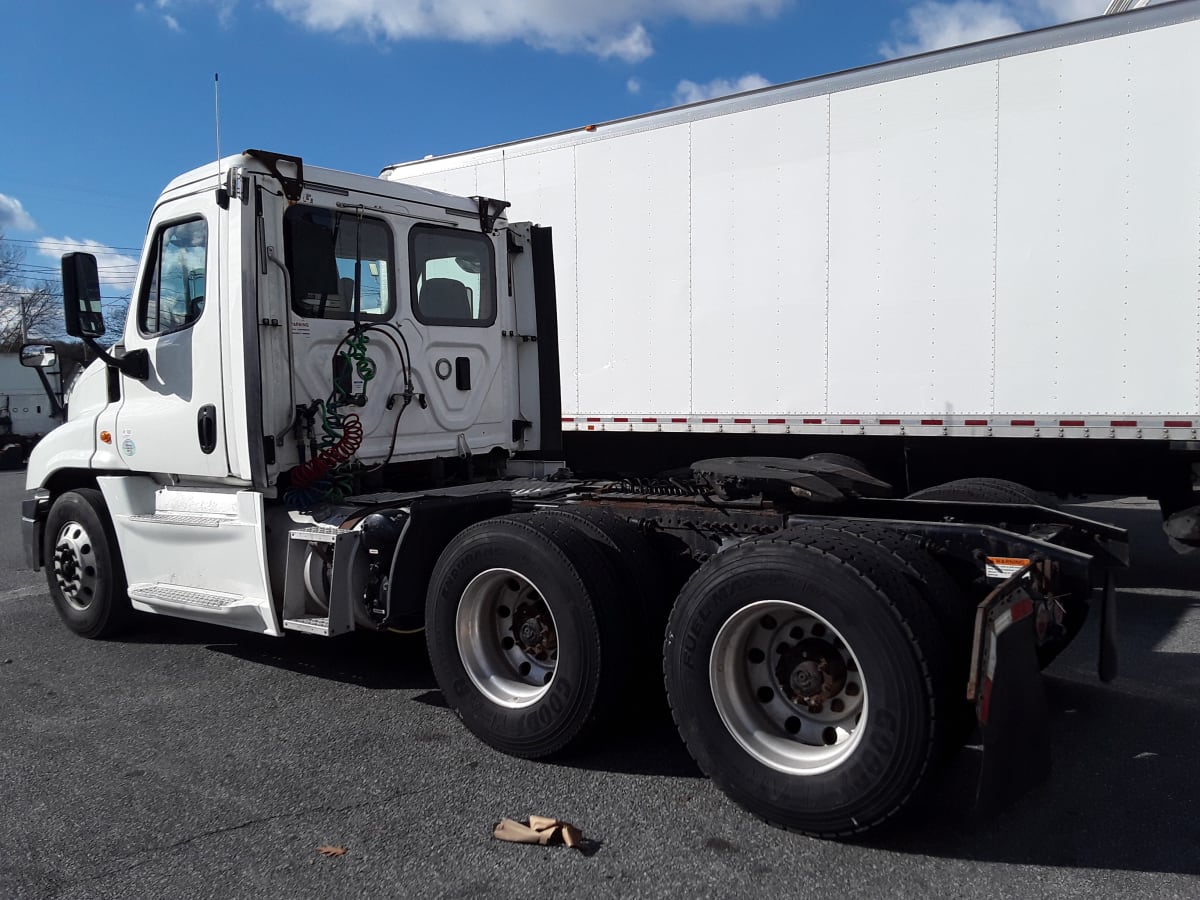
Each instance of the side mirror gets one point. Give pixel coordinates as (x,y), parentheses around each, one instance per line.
(84,318)
(81,296)
(39,356)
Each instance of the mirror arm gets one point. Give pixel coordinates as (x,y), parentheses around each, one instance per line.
(56,408)
(135,363)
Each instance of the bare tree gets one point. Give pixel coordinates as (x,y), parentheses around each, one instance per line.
(33,310)
(116,311)
(26,309)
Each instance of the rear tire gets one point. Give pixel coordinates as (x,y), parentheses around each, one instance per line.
(983,490)
(12,456)
(522,635)
(952,606)
(83,566)
(644,600)
(805,676)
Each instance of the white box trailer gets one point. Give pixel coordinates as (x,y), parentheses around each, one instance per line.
(24,407)
(993,241)
(30,406)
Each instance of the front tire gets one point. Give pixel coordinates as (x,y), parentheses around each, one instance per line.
(806,678)
(83,566)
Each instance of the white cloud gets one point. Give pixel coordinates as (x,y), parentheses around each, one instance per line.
(633,47)
(691,92)
(117,270)
(932,25)
(605,28)
(13,215)
(633,86)
(170,11)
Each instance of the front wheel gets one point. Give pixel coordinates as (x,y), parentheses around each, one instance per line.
(806,679)
(83,566)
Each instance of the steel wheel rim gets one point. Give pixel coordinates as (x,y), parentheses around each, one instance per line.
(788,687)
(507,638)
(75,569)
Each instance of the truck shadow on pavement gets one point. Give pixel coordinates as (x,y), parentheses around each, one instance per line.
(1122,794)
(383,662)
(645,743)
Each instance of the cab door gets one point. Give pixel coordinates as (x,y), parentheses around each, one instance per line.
(463,312)
(174,421)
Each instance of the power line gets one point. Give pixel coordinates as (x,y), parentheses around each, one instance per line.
(73,244)
(54,270)
(105,297)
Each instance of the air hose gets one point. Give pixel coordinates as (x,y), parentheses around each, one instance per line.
(327,477)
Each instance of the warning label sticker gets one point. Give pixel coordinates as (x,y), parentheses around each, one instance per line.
(1002,567)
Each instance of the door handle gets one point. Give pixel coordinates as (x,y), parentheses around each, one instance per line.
(206,428)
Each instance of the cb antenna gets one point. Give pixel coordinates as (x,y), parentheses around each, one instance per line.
(222,190)
(217,106)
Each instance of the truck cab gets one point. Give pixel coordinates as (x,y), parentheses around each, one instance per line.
(252,277)
(295,335)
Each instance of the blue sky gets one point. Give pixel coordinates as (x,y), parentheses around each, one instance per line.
(106,101)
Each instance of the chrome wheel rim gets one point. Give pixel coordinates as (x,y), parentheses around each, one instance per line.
(788,687)
(75,569)
(507,638)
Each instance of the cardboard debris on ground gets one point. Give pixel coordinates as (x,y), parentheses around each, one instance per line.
(539,830)
(330,850)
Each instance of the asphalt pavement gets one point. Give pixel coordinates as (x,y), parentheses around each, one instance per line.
(191,761)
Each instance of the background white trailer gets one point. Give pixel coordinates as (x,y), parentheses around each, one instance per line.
(994,240)
(24,407)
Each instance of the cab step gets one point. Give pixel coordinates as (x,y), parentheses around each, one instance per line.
(171,595)
(190,519)
(309,624)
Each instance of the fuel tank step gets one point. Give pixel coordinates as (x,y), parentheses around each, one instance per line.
(320,580)
(309,624)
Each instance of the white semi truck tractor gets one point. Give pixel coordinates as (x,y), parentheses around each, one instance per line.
(335,408)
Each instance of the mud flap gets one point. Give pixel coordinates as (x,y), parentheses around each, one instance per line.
(1010,699)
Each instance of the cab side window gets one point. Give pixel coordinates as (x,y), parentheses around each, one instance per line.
(453,276)
(323,248)
(173,295)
